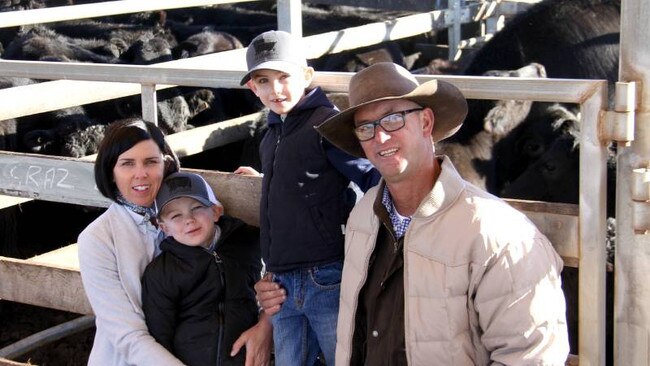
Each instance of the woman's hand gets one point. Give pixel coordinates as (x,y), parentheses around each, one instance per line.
(258,341)
(269,295)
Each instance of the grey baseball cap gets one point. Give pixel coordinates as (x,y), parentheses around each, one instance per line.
(274,50)
(183,184)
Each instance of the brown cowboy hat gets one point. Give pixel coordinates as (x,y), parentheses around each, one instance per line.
(389,81)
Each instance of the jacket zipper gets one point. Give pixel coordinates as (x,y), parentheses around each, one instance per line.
(406,275)
(275,155)
(221,311)
(277,144)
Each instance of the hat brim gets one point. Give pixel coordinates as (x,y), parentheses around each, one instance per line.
(447,102)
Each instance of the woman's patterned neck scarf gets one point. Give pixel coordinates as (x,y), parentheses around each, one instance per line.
(147,212)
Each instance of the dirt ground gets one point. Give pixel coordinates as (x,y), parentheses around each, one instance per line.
(18,321)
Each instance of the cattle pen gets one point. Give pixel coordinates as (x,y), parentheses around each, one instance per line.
(577,231)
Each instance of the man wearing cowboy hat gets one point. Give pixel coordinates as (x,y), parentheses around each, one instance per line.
(437,271)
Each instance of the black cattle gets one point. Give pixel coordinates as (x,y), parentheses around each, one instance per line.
(247,20)
(439,66)
(92,41)
(173,110)
(210,105)
(572,38)
(15,5)
(233,155)
(358,59)
(43,44)
(39,133)
(529,140)
(83,142)
(53,128)
(569,39)
(206,42)
(120,35)
(231,19)
(75,136)
(100,28)
(9,130)
(554,176)
(229,103)
(473,155)
(147,49)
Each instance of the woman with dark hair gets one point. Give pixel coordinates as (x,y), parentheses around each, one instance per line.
(132,161)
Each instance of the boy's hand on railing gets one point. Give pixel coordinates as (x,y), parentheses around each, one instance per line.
(246,170)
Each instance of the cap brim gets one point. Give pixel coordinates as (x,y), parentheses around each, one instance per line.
(205,202)
(283,66)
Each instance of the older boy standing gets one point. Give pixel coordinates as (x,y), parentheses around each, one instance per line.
(306,198)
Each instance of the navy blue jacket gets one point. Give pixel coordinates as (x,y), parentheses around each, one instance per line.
(306,190)
(197,302)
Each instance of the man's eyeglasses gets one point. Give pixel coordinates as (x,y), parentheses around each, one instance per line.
(391,122)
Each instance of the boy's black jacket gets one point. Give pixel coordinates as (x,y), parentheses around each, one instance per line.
(186,306)
(303,208)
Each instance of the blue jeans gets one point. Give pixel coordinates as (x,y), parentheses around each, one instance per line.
(306,323)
